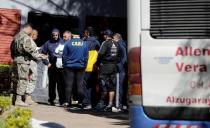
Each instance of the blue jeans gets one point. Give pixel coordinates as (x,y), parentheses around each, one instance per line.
(122,86)
(87,89)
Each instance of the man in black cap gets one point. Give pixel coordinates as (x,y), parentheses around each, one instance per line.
(108,58)
(49,49)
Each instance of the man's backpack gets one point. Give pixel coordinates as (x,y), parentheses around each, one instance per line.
(13,49)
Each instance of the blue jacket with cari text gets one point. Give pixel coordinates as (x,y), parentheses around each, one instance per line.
(75,54)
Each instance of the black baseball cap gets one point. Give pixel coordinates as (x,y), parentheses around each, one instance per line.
(107,32)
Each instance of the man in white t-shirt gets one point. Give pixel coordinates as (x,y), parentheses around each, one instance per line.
(59,51)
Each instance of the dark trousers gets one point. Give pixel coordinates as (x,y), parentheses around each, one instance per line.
(52,83)
(89,84)
(122,86)
(87,88)
(90,88)
(74,76)
(56,77)
(60,85)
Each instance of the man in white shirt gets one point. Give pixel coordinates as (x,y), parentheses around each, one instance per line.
(59,51)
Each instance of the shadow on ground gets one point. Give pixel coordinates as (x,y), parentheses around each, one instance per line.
(52,125)
(123,116)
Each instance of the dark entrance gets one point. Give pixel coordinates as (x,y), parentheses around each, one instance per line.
(100,23)
(44,23)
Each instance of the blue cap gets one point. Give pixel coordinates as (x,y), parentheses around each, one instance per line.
(55,30)
(107,32)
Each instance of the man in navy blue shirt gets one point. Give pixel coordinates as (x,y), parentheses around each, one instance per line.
(75,56)
(49,49)
(90,78)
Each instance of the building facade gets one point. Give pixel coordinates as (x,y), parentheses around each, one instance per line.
(73,15)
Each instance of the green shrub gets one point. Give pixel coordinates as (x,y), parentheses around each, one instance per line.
(19,118)
(2,123)
(5,103)
(4,68)
(5,79)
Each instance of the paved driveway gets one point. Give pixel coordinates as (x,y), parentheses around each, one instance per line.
(58,117)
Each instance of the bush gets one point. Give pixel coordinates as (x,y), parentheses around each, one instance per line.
(19,118)
(5,79)
(2,123)
(4,68)
(5,103)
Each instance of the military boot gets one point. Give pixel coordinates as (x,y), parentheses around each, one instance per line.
(29,100)
(19,102)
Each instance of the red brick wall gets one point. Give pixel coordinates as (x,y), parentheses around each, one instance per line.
(9,26)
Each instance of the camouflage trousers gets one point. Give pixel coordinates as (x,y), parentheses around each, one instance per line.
(19,77)
(32,82)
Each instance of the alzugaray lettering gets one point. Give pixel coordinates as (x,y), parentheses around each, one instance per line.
(187,101)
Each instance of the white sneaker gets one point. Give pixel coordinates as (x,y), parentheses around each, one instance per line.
(88,107)
(114,109)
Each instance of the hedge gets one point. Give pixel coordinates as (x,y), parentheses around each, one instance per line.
(19,118)
(5,103)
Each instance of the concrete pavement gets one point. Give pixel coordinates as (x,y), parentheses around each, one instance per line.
(58,117)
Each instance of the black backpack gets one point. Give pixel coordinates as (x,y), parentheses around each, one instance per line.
(13,49)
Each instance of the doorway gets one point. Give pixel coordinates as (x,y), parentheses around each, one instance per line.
(45,22)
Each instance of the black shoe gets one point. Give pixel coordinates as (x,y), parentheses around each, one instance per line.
(100,106)
(61,103)
(108,109)
(51,102)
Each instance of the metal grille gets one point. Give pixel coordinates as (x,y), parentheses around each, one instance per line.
(180,19)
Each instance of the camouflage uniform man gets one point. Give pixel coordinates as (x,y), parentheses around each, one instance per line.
(22,51)
(32,72)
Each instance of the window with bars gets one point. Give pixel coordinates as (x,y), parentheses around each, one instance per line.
(181,19)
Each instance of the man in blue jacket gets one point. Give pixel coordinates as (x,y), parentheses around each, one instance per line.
(90,78)
(75,56)
(49,49)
